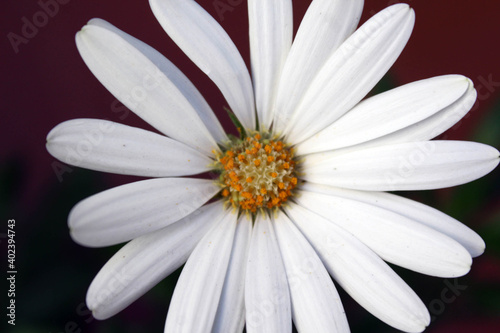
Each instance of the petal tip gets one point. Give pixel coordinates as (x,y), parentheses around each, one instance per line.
(400,6)
(75,238)
(479,249)
(95,21)
(97,315)
(462,268)
(82,30)
(469,81)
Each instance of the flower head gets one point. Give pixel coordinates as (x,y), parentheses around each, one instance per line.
(298,198)
(257,173)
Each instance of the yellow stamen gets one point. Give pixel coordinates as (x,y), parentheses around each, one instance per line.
(257,173)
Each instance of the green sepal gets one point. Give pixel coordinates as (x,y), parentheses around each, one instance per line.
(236,123)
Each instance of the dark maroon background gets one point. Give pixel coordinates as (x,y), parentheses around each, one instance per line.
(46,82)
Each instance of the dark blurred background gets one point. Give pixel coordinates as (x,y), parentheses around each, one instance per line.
(44,82)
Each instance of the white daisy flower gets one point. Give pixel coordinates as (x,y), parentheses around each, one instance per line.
(299,198)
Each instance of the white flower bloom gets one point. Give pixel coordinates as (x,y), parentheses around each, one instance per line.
(299,197)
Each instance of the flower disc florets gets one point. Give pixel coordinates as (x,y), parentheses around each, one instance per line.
(257,172)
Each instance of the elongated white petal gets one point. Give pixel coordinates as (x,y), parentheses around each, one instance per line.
(210,48)
(406,166)
(411,209)
(111,147)
(326,24)
(267,298)
(197,293)
(271,29)
(146,260)
(433,126)
(362,274)
(128,211)
(231,311)
(423,130)
(388,112)
(352,71)
(142,86)
(395,238)
(316,305)
(177,77)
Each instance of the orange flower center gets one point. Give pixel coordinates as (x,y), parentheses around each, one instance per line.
(257,173)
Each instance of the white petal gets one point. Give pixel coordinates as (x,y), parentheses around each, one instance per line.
(352,71)
(194,303)
(177,77)
(326,25)
(406,166)
(210,48)
(128,211)
(267,298)
(420,131)
(111,147)
(361,273)
(433,126)
(145,261)
(316,305)
(411,209)
(271,29)
(395,238)
(142,86)
(231,311)
(389,112)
